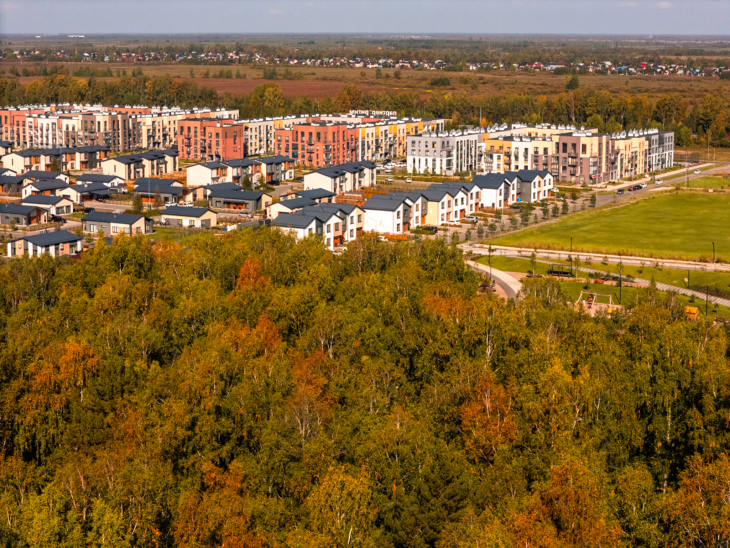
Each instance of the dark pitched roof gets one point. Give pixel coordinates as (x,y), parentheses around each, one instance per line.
(223,186)
(243,162)
(490,180)
(14,209)
(4,171)
(10,180)
(103,217)
(341,169)
(237,195)
(525,175)
(97,178)
(383,204)
(49,184)
(293,221)
(185,211)
(296,203)
(38,174)
(92,188)
(41,199)
(51,238)
(274,159)
(210,165)
(6,144)
(314,194)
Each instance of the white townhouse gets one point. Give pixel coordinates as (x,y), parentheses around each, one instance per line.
(387,215)
(349,177)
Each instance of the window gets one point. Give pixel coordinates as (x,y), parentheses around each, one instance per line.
(565,147)
(583,149)
(443,206)
(397,227)
(337,227)
(310,232)
(328,242)
(352,220)
(114,229)
(359,218)
(329,229)
(352,233)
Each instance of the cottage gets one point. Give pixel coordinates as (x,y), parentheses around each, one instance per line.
(207,173)
(57,243)
(387,215)
(22,215)
(36,175)
(79,194)
(319,195)
(342,178)
(116,223)
(54,205)
(198,217)
(301,226)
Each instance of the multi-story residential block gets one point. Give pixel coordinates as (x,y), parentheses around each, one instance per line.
(443,153)
(210,139)
(318,144)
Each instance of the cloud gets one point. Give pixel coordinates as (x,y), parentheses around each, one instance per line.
(275,12)
(664,5)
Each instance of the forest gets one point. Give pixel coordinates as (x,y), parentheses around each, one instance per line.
(249,390)
(702,118)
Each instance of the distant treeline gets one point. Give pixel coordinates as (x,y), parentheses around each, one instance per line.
(452,52)
(591,108)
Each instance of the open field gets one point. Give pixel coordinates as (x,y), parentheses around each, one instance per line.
(709,182)
(670,225)
(320,81)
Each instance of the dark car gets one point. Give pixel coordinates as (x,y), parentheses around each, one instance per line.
(299,178)
(620,191)
(57,219)
(430,229)
(88,209)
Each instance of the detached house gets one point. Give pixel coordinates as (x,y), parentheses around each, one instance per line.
(57,243)
(198,217)
(116,223)
(348,177)
(46,187)
(387,215)
(54,205)
(22,215)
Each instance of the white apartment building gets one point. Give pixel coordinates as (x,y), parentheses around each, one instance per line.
(444,153)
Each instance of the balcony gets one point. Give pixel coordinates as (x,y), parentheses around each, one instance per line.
(572,154)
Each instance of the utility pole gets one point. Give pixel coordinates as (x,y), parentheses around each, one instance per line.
(713,252)
(707,297)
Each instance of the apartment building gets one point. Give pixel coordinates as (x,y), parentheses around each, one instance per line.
(660,152)
(629,155)
(119,128)
(210,139)
(444,153)
(318,144)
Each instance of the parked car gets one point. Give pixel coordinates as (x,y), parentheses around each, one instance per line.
(696,171)
(659,181)
(186,204)
(299,178)
(88,209)
(472,218)
(58,219)
(382,238)
(389,179)
(433,229)
(409,180)
(620,191)
(642,185)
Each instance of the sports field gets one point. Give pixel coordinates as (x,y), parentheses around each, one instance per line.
(680,225)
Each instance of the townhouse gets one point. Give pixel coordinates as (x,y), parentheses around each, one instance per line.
(11,184)
(319,195)
(444,153)
(56,243)
(300,226)
(116,223)
(285,207)
(348,177)
(267,169)
(388,214)
(532,185)
(143,164)
(75,158)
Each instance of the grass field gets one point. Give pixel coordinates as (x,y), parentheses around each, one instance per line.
(709,182)
(670,225)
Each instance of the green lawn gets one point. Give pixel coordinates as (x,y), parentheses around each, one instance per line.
(708,182)
(683,175)
(669,225)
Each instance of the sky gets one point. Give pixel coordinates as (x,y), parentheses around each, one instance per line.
(688,17)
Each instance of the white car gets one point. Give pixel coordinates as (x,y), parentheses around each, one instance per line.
(186,204)
(409,180)
(642,185)
(696,171)
(472,219)
(659,181)
(389,179)
(382,238)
